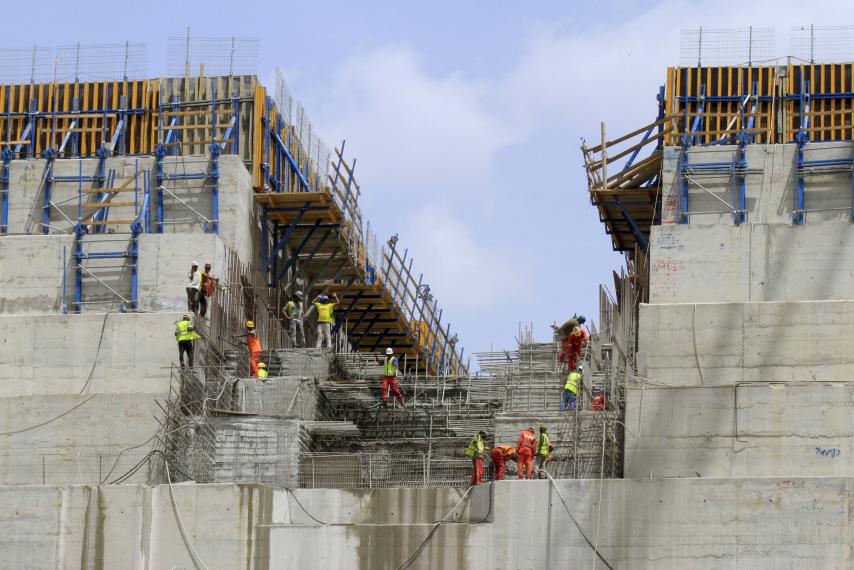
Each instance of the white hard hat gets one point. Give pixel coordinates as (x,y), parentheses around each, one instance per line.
(580,367)
(195,264)
(389,351)
(298,294)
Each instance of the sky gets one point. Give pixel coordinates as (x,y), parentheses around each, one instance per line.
(465,119)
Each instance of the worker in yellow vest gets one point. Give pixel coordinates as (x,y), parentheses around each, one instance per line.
(391,366)
(262,370)
(544,451)
(294,310)
(185,334)
(570,389)
(475,452)
(324,307)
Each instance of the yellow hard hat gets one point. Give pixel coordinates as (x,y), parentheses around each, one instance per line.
(250,325)
(262,365)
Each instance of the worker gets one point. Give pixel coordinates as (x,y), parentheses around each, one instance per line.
(544,451)
(294,310)
(324,307)
(576,342)
(566,328)
(194,284)
(254,347)
(570,388)
(185,334)
(262,370)
(525,447)
(475,453)
(599,404)
(501,454)
(391,366)
(207,289)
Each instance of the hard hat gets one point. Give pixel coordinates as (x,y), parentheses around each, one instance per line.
(195,264)
(187,316)
(389,351)
(250,325)
(262,365)
(580,367)
(581,319)
(324,297)
(298,294)
(530,428)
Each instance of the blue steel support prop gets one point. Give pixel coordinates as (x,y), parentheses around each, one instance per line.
(214,176)
(339,319)
(6,157)
(297,251)
(159,153)
(48,188)
(361,318)
(313,252)
(268,261)
(633,226)
(803,136)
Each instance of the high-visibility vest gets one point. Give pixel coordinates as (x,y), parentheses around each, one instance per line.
(293,310)
(475,447)
(324,312)
(390,366)
(262,373)
(543,445)
(184,331)
(572,382)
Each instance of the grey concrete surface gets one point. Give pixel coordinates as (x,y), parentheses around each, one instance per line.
(109,352)
(740,431)
(725,343)
(35,269)
(752,263)
(783,523)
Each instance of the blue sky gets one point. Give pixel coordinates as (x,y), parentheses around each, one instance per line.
(465,118)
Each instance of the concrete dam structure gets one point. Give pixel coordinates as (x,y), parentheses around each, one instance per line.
(722,348)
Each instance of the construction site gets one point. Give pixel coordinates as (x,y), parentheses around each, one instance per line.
(705,431)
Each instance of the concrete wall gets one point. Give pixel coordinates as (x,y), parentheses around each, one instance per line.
(44,276)
(85,438)
(757,523)
(752,262)
(740,431)
(768,187)
(726,343)
(62,354)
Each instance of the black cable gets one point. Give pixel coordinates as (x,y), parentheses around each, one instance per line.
(312,517)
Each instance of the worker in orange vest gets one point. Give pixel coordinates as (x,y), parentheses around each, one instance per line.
(525,452)
(254,347)
(501,454)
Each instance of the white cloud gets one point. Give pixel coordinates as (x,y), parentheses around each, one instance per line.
(466,274)
(414,133)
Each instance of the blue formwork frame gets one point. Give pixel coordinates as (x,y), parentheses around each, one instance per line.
(6,158)
(137,227)
(736,168)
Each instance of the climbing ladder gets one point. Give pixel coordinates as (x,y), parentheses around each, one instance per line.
(99,257)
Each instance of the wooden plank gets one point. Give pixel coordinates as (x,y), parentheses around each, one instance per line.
(257,135)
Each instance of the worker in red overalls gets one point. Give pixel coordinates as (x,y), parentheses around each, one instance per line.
(575,343)
(525,452)
(501,454)
(253,345)
(564,332)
